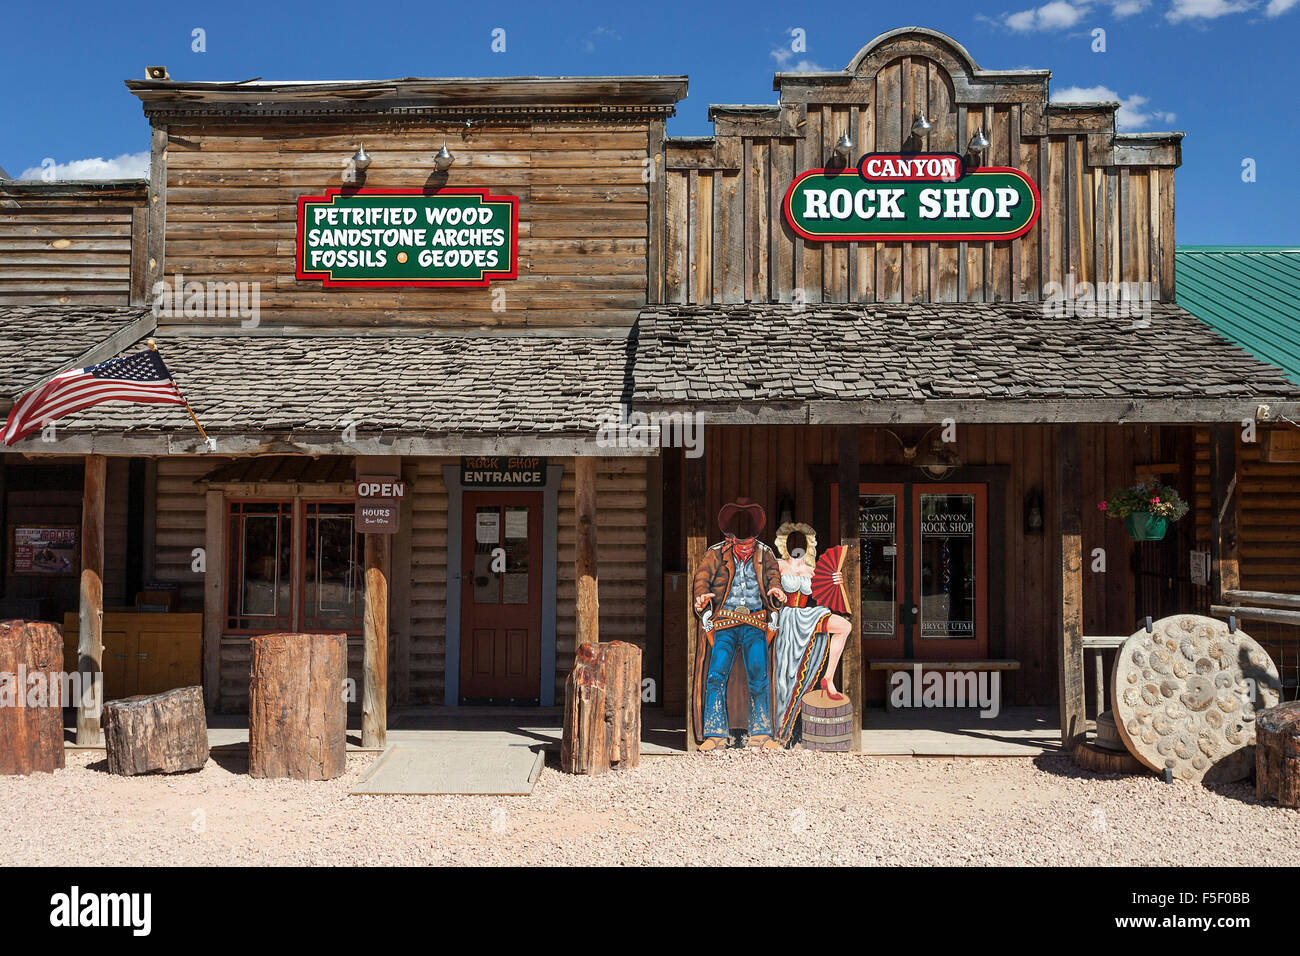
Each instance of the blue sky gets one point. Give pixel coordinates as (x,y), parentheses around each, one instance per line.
(1218,69)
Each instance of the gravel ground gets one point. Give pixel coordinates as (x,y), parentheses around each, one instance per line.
(739,807)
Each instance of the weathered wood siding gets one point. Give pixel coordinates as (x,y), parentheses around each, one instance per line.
(1105,218)
(70,251)
(232,194)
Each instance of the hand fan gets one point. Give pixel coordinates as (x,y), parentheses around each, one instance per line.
(825,592)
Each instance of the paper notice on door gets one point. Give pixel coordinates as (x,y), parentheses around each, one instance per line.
(516,522)
(487,527)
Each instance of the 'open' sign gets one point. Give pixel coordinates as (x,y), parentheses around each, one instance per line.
(380,487)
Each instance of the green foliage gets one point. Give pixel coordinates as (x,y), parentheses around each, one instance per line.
(1163,501)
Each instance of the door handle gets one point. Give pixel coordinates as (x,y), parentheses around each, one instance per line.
(907,612)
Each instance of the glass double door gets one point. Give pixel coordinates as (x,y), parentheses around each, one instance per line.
(924,554)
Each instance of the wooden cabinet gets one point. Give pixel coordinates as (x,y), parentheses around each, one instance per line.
(144,653)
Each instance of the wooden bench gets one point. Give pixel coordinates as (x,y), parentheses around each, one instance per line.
(891,667)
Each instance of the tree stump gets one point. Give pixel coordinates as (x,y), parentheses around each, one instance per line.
(1277,754)
(602,709)
(297,715)
(31,665)
(156,733)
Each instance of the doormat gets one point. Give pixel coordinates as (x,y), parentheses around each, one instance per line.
(499,770)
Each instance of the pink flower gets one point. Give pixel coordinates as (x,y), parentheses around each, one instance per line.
(1101,505)
(1155,499)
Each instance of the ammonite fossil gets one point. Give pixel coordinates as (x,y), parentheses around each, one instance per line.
(1185,696)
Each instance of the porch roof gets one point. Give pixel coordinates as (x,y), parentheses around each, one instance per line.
(38,342)
(258,386)
(1005,354)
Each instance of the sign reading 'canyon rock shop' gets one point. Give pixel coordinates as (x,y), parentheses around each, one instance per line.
(407,237)
(912,196)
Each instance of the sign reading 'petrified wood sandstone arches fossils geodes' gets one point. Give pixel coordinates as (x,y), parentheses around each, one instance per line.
(1186,695)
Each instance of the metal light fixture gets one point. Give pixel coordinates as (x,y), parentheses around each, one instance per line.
(361,159)
(1034,512)
(443,159)
(978,143)
(921,126)
(844,146)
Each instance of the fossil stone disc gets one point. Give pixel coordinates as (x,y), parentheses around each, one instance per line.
(1185,697)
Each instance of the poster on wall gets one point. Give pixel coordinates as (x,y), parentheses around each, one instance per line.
(43,550)
(377,238)
(782,613)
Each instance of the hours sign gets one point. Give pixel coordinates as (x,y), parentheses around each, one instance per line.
(407,237)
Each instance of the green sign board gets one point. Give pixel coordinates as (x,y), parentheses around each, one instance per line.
(407,237)
(900,196)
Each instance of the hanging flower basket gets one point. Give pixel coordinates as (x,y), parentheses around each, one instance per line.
(1144,526)
(1147,509)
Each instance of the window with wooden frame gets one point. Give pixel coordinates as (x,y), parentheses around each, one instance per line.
(282,578)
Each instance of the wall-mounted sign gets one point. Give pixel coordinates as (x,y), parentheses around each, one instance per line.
(904,196)
(49,549)
(378,504)
(407,237)
(488,471)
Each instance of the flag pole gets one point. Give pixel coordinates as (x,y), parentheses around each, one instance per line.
(153,347)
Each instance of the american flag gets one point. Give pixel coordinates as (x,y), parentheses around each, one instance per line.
(133,378)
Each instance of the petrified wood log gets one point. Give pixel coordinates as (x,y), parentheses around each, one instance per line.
(297,715)
(602,709)
(1186,695)
(31,707)
(156,733)
(1277,754)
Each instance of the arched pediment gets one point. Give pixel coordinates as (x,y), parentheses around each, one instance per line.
(913,41)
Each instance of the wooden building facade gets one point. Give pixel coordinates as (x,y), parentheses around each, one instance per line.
(655,276)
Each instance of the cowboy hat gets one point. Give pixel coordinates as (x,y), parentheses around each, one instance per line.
(757,516)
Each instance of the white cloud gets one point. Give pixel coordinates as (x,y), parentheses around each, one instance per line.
(1278,7)
(600,33)
(1207,9)
(126,166)
(1127,8)
(784,55)
(1133,111)
(1057,15)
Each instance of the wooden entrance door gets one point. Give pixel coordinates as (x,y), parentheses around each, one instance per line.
(924,559)
(501,598)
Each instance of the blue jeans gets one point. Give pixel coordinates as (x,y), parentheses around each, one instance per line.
(751,642)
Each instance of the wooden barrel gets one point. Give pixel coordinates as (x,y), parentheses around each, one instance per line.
(1108,737)
(827,724)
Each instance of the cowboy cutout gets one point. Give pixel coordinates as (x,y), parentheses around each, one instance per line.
(735,587)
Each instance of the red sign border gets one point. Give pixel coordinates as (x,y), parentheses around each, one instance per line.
(915,237)
(330,283)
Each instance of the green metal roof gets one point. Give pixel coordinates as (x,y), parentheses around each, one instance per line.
(1249,294)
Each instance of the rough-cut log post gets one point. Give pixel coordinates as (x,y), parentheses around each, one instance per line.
(90,633)
(297,717)
(1277,754)
(851,661)
(584,502)
(1069,504)
(1225,572)
(602,709)
(693,496)
(156,733)
(31,738)
(374,692)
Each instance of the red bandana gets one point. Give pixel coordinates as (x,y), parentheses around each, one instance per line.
(743,550)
